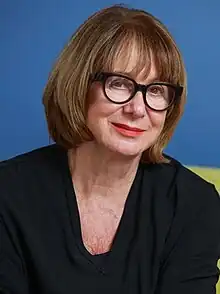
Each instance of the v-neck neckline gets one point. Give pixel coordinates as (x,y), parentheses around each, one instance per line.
(124,233)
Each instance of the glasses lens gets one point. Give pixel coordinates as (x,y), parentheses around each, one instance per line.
(119,89)
(159,97)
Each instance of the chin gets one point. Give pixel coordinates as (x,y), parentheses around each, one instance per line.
(123,150)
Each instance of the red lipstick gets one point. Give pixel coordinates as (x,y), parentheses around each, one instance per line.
(126,130)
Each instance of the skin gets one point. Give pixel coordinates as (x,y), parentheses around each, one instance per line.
(110,161)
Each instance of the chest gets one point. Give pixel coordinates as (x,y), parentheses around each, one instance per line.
(99,222)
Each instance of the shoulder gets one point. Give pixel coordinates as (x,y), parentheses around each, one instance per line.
(195,214)
(29,163)
(24,174)
(194,187)
(187,191)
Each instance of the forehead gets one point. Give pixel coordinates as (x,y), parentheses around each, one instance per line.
(129,63)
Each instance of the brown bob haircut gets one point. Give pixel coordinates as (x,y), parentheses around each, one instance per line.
(97,44)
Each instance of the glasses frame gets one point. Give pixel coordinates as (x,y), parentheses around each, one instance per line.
(103,76)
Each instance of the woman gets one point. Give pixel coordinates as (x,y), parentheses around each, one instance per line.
(103,209)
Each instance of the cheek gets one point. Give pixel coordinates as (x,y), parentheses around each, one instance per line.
(98,106)
(101,111)
(157,118)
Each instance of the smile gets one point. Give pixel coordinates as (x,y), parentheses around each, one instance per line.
(127,131)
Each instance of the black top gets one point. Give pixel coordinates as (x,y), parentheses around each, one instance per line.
(167,242)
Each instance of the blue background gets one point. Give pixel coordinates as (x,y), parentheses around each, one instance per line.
(32,33)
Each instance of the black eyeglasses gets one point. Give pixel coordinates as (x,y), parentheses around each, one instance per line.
(120,89)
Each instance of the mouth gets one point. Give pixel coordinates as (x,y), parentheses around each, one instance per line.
(126,127)
(127,131)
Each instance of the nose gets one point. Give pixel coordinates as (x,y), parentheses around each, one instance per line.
(136,107)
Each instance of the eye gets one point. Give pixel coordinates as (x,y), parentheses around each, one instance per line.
(119,83)
(156,90)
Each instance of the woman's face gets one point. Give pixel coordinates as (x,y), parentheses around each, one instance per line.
(102,116)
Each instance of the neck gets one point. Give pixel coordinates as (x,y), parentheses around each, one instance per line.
(100,172)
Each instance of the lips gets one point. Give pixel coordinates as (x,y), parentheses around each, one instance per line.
(127,127)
